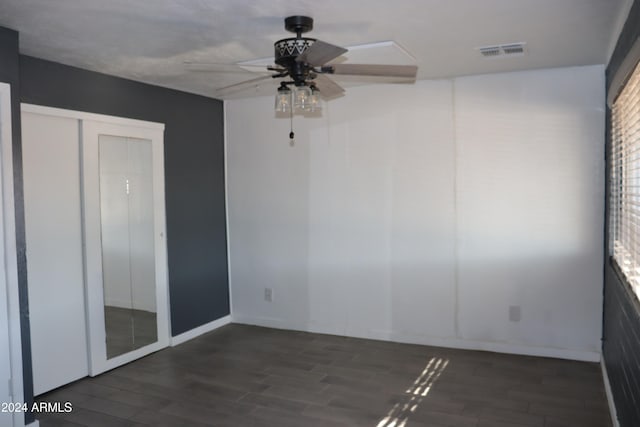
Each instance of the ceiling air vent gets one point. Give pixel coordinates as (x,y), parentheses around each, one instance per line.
(490,51)
(502,50)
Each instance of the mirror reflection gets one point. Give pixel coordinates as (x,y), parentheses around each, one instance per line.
(128,263)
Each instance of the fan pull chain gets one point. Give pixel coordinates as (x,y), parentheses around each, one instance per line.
(291,134)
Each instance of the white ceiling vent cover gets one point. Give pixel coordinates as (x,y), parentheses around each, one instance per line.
(503,50)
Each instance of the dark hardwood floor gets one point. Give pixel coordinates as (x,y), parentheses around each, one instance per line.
(250,376)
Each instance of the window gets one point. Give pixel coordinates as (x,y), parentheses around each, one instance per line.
(625,180)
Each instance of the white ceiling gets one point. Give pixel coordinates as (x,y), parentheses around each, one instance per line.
(150,40)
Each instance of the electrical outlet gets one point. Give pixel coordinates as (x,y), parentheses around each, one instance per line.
(268,294)
(515,313)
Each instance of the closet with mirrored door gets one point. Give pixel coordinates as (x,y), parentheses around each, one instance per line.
(96,247)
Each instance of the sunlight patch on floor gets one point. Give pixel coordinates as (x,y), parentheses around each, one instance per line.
(399,415)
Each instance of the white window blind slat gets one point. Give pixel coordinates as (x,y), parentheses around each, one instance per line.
(625,180)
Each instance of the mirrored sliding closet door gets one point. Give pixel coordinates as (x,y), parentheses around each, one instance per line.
(96,247)
(124,249)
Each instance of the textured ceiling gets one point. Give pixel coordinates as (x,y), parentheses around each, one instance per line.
(149,41)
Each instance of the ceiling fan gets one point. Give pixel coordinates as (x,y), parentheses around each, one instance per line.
(304,63)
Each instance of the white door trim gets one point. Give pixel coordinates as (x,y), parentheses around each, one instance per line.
(89,122)
(82,115)
(93,248)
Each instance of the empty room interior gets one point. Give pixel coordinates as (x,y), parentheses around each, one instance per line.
(320,213)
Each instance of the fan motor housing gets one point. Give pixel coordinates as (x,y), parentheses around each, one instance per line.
(286,52)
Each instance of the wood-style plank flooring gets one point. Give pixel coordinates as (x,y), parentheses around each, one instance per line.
(249,376)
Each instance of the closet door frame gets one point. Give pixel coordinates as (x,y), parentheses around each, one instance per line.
(90,126)
(91,130)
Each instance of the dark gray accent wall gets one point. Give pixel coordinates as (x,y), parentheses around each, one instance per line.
(10,73)
(621,320)
(194,174)
(622,347)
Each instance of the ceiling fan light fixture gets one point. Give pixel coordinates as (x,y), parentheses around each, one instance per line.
(283,100)
(315,103)
(302,98)
(305,65)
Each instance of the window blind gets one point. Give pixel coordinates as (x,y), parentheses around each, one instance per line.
(625,180)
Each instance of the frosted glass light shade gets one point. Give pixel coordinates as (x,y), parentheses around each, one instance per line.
(283,100)
(315,101)
(302,98)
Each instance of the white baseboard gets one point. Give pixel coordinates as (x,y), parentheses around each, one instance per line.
(610,401)
(501,347)
(498,347)
(196,332)
(269,322)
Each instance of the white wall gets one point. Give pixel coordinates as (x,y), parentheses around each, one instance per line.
(422,213)
(530,206)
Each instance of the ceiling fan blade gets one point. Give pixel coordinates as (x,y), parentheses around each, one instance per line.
(219,67)
(327,87)
(242,85)
(319,53)
(406,71)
